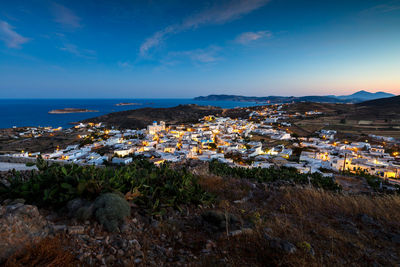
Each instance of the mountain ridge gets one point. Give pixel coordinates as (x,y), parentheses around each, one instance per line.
(356,97)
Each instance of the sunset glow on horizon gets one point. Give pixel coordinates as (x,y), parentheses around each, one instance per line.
(183,49)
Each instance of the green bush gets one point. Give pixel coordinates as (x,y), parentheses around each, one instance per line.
(273,174)
(30,164)
(111,210)
(373,181)
(155,187)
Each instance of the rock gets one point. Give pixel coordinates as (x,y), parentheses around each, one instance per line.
(349,228)
(59,228)
(139,254)
(113,250)
(135,244)
(395,238)
(20,225)
(110,259)
(267,230)
(120,252)
(76,230)
(246,231)
(169,252)
(218,219)
(280,244)
(367,220)
(74,204)
(17,201)
(179,235)
(125,228)
(52,217)
(210,245)
(287,246)
(10,208)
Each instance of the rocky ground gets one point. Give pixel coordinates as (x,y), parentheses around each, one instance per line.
(250,224)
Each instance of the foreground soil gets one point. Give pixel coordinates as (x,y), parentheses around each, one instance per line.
(250,224)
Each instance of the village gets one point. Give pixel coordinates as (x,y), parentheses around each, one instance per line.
(264,140)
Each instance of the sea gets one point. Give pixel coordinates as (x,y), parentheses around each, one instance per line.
(34,112)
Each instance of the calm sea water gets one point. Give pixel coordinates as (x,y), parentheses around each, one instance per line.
(34,112)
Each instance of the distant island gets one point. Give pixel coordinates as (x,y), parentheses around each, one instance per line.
(71,110)
(353,98)
(128,104)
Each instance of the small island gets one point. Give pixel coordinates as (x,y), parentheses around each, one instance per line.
(128,104)
(71,110)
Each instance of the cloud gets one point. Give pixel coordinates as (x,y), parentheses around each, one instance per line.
(125,64)
(11,38)
(197,56)
(75,50)
(65,17)
(217,14)
(248,37)
(385,8)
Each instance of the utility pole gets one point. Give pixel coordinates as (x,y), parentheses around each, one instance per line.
(344,163)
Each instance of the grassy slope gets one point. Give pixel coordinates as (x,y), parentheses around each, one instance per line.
(335,225)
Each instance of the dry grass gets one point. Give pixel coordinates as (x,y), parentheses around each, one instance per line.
(330,223)
(310,201)
(48,252)
(225,189)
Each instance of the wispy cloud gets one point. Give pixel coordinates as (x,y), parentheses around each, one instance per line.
(65,17)
(197,56)
(217,14)
(248,37)
(125,64)
(75,50)
(385,8)
(11,38)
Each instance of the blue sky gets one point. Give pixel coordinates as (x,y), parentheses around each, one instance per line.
(181,49)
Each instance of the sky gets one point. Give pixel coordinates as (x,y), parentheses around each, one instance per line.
(183,49)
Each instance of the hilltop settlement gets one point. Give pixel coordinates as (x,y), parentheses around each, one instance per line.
(262,139)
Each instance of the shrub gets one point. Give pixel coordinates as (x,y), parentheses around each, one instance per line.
(273,174)
(154,187)
(111,210)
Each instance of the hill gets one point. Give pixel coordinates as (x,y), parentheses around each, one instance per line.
(140,118)
(383,108)
(365,96)
(390,102)
(353,98)
(271,99)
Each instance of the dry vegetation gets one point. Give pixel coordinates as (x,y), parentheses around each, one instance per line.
(48,252)
(327,228)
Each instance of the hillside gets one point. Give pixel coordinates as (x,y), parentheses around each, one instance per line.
(383,108)
(390,102)
(379,117)
(140,118)
(192,215)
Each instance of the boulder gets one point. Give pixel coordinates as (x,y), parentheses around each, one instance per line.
(280,244)
(20,225)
